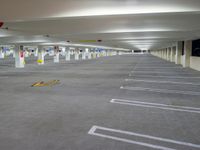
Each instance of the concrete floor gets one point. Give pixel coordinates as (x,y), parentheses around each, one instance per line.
(59,117)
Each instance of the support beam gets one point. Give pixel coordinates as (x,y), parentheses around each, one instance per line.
(19,56)
(179,47)
(172,54)
(36,52)
(168,53)
(84,54)
(76,54)
(41,54)
(2,54)
(56,54)
(67,54)
(187,53)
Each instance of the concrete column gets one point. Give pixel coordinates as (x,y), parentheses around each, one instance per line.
(67,54)
(164,53)
(89,54)
(179,47)
(2,54)
(13,53)
(94,55)
(84,53)
(106,52)
(187,53)
(26,53)
(41,55)
(19,56)
(36,52)
(160,53)
(98,54)
(76,55)
(172,55)
(56,54)
(168,53)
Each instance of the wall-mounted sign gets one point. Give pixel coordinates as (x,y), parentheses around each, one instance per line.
(1,24)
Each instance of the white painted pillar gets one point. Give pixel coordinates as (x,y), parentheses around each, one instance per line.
(187,53)
(173,52)
(67,54)
(106,52)
(94,55)
(19,56)
(76,55)
(36,52)
(179,47)
(163,53)
(26,53)
(89,54)
(98,54)
(2,55)
(168,53)
(83,55)
(13,53)
(41,55)
(56,54)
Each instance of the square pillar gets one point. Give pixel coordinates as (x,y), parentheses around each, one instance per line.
(13,53)
(83,55)
(89,55)
(19,56)
(187,53)
(41,54)
(76,55)
(56,54)
(36,52)
(168,53)
(98,54)
(2,54)
(172,56)
(178,52)
(67,54)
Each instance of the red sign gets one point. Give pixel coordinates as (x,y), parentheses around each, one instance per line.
(1,24)
(21,54)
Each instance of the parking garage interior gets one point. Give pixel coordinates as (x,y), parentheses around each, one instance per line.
(99,75)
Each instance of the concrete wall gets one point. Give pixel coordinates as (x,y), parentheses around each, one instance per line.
(195,63)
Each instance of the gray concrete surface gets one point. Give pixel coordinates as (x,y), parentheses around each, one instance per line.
(59,117)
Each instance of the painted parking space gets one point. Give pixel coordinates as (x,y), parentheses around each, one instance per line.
(108,134)
(156,105)
(168,91)
(163,81)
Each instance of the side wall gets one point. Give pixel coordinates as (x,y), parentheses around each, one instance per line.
(195,63)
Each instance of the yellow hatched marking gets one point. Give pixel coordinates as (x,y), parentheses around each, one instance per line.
(42,83)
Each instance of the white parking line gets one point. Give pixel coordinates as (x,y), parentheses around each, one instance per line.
(167,73)
(3,77)
(155,81)
(170,77)
(94,128)
(160,67)
(160,90)
(156,105)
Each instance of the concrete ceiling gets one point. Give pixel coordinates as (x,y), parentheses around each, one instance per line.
(129,24)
